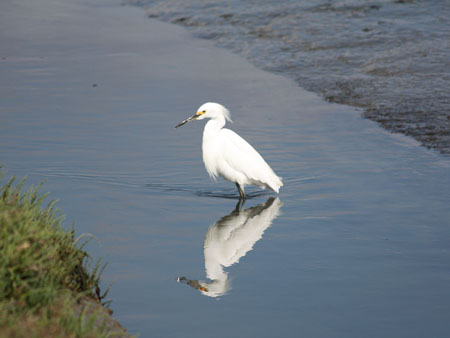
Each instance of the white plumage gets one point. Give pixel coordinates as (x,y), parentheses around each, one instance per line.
(228,155)
(230,239)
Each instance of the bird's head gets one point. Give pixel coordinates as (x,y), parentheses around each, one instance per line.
(209,110)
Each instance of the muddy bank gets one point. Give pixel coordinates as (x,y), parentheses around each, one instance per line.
(390,58)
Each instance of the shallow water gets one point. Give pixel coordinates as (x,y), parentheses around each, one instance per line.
(355,245)
(390,57)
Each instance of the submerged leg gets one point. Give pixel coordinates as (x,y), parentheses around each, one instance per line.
(241,192)
(239,206)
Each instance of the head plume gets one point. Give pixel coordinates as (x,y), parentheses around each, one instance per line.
(213,109)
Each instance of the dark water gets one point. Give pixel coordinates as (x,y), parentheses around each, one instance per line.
(357,244)
(391,58)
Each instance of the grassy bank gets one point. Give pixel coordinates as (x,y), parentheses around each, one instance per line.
(49,286)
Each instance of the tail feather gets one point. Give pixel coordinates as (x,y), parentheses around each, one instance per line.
(276,184)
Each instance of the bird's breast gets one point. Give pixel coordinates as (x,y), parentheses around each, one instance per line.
(210,154)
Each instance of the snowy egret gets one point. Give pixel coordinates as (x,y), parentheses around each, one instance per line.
(230,239)
(227,154)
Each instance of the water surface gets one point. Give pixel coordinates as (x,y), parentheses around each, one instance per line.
(390,57)
(355,245)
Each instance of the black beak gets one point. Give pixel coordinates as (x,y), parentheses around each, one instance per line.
(193,117)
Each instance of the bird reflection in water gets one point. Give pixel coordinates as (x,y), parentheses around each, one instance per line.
(228,240)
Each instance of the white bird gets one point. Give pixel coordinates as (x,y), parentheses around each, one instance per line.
(230,239)
(228,155)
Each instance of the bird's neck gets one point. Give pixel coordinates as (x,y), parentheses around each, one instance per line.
(213,126)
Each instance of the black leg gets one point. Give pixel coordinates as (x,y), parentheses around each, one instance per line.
(241,192)
(239,205)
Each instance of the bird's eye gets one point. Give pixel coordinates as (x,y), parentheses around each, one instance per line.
(204,111)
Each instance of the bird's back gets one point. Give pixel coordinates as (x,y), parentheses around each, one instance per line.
(238,155)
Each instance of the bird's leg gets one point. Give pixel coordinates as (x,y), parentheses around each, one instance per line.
(241,192)
(239,206)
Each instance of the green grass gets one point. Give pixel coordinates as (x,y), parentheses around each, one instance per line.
(46,277)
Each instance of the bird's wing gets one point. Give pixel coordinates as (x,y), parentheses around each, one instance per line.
(242,157)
